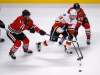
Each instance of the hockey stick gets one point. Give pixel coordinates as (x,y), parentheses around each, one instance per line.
(79,48)
(52,36)
(57,37)
(79,57)
(39,43)
(76,51)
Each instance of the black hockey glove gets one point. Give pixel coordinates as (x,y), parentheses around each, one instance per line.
(32,30)
(42,32)
(2,25)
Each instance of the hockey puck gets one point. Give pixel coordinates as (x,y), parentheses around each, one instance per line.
(39,50)
(71,53)
(2,40)
(80,64)
(80,70)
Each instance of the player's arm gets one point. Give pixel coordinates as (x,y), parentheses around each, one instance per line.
(68,11)
(34,28)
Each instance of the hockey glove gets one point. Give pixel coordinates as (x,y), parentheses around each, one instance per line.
(2,25)
(32,30)
(42,32)
(59,30)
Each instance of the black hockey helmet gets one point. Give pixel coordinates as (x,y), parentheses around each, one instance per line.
(26,13)
(76,6)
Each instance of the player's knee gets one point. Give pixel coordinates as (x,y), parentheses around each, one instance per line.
(17,43)
(26,41)
(86,20)
(87,26)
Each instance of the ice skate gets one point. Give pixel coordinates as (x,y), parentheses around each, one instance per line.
(88,42)
(12,55)
(38,46)
(66,50)
(29,51)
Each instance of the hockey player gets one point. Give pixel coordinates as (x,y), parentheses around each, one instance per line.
(2,25)
(63,26)
(15,32)
(71,21)
(82,20)
(59,27)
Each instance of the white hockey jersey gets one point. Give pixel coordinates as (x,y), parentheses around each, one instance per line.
(66,19)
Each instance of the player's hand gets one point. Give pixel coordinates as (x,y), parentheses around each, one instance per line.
(32,30)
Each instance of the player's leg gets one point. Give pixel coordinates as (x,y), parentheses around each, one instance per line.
(53,38)
(65,34)
(54,35)
(67,44)
(25,41)
(17,44)
(2,25)
(86,25)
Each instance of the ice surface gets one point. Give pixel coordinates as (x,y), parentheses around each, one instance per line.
(52,60)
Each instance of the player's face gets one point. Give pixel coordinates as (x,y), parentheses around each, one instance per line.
(27,17)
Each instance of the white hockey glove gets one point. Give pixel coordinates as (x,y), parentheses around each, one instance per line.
(59,30)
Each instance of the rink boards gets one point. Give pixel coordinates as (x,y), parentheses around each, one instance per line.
(51,1)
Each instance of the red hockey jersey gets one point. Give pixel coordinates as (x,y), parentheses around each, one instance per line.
(21,24)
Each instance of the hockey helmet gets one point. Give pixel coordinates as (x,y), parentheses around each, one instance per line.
(76,6)
(26,13)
